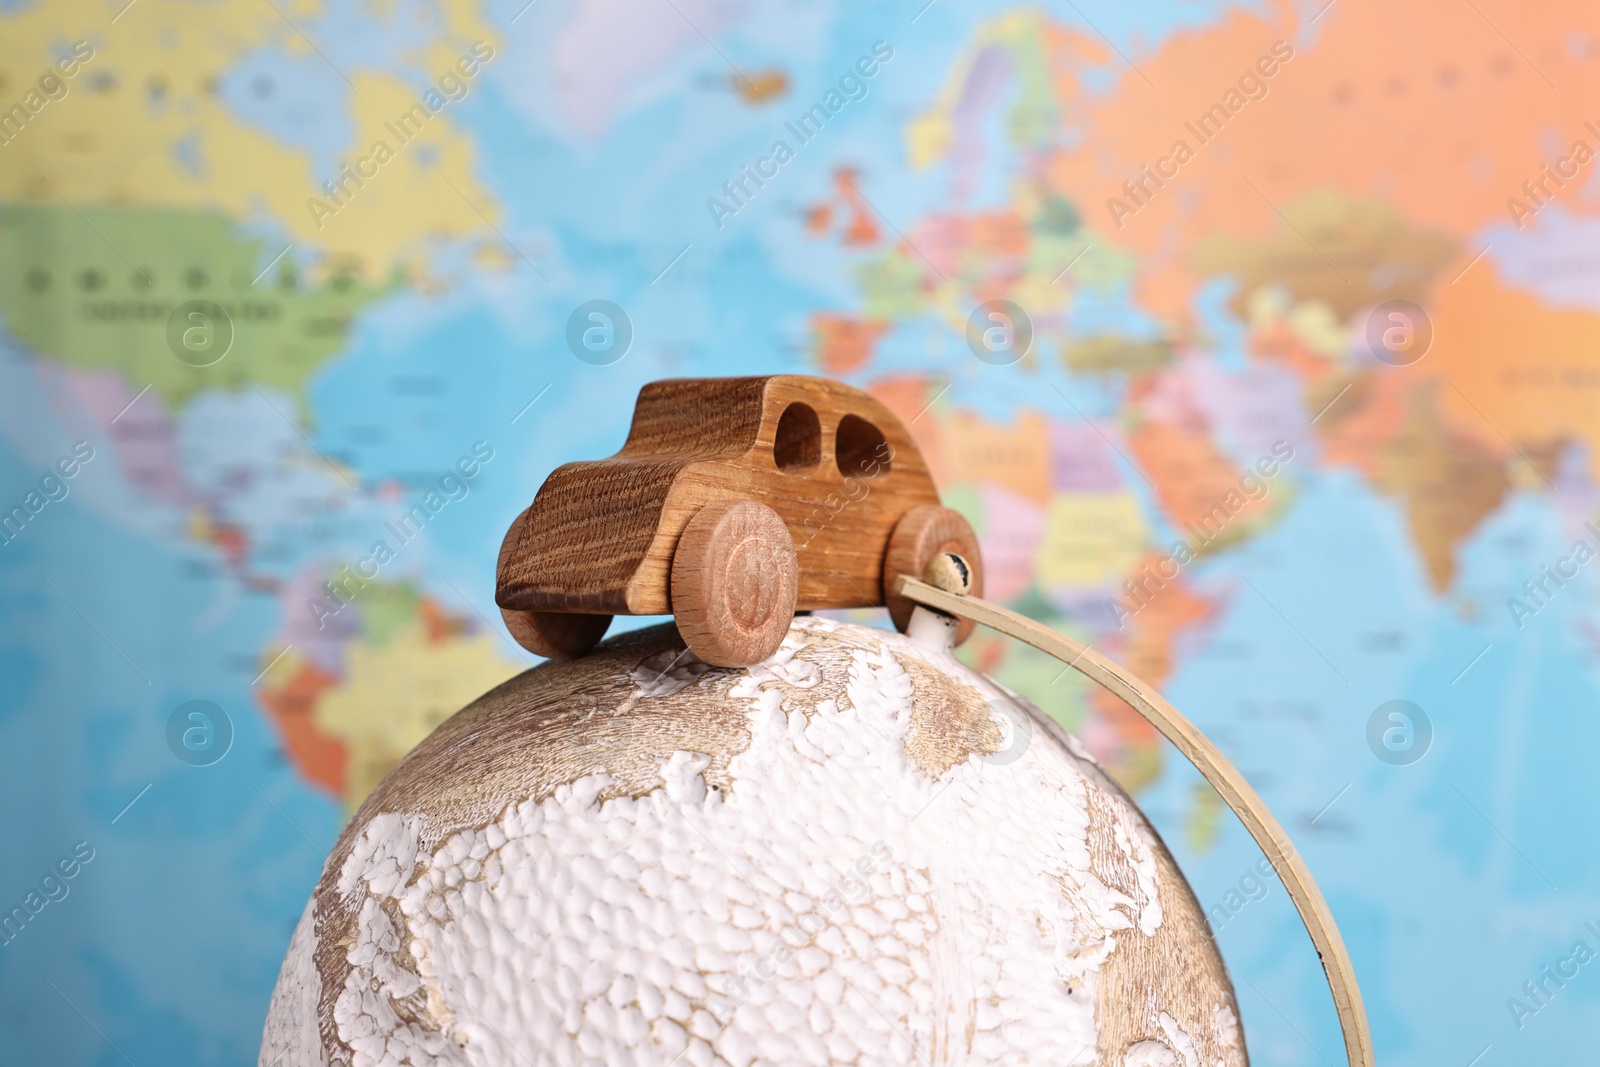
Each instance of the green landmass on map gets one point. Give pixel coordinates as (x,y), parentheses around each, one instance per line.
(110,289)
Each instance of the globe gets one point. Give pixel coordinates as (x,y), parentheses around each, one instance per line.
(856,851)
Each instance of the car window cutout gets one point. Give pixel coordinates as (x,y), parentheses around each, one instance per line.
(860,448)
(797,445)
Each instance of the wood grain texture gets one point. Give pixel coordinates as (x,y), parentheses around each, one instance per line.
(555,634)
(734,578)
(920,535)
(550,634)
(1223,776)
(600,535)
(1177,972)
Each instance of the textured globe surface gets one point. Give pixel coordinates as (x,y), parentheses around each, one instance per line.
(859,851)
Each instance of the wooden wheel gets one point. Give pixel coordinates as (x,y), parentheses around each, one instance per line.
(922,533)
(552,634)
(555,634)
(734,582)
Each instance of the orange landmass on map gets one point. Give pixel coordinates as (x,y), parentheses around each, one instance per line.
(1016,456)
(1193,480)
(439,625)
(1515,367)
(1068,52)
(1349,254)
(1358,422)
(1392,424)
(1376,102)
(761,86)
(1278,343)
(1508,382)
(909,397)
(233,542)
(1449,482)
(847,203)
(1146,649)
(321,759)
(844,342)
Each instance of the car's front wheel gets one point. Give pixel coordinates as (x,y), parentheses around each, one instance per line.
(735,578)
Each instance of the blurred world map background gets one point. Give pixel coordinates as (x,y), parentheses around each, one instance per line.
(386,213)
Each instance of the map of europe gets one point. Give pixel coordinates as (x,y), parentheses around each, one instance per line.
(1293,411)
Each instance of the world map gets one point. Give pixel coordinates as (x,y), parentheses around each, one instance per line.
(1259,343)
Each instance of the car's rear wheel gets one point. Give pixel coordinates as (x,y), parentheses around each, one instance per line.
(735,578)
(922,533)
(553,634)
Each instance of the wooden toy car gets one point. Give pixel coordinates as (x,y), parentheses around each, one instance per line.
(734,503)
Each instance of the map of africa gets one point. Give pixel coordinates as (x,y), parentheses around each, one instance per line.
(1260,344)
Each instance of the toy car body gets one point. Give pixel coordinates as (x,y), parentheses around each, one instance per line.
(826,464)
